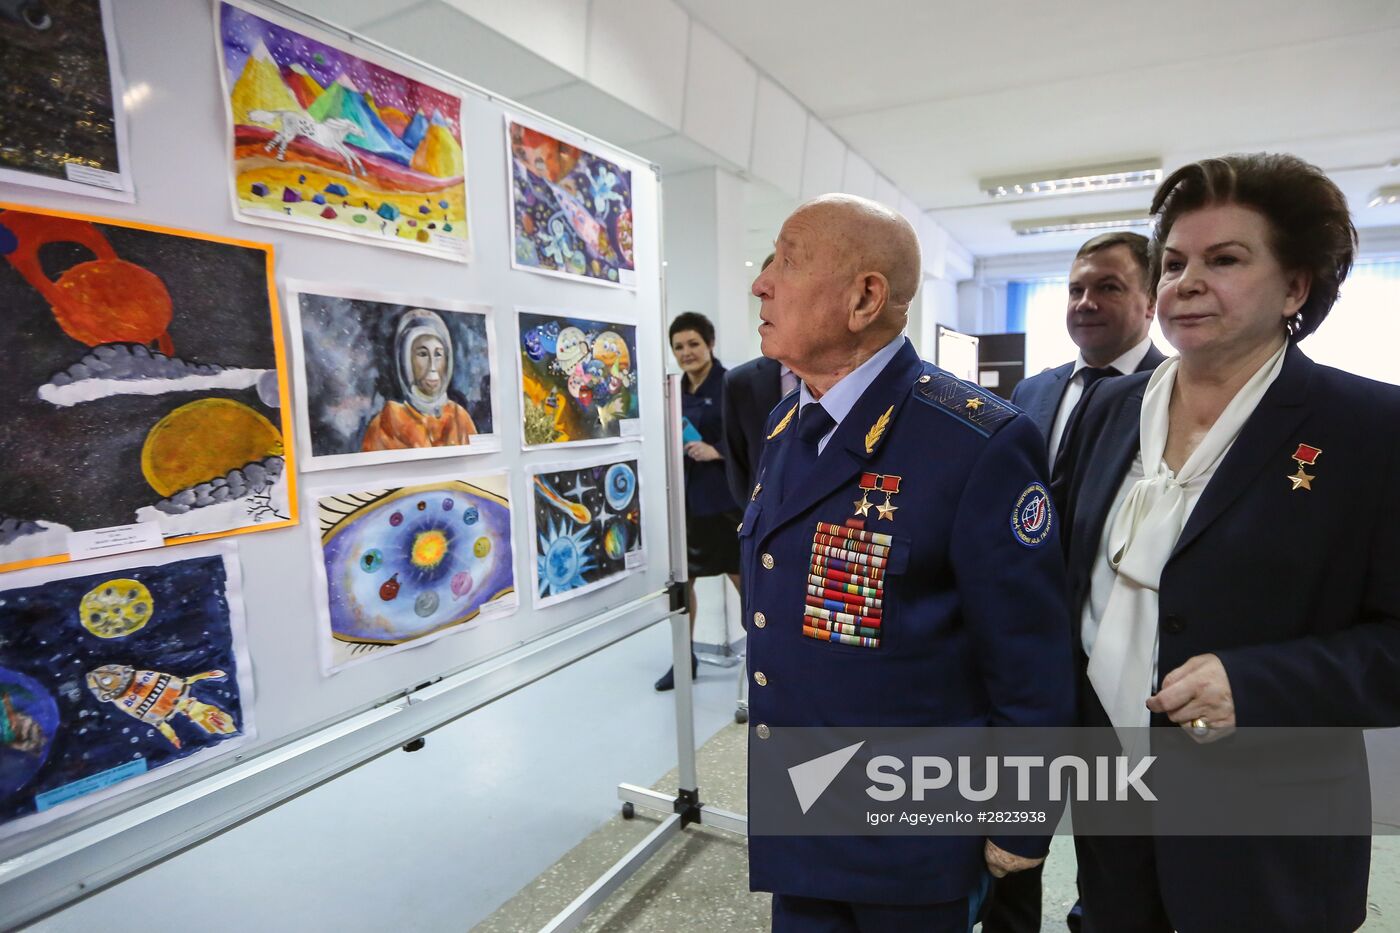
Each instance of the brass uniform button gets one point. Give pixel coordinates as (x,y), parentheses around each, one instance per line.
(763,731)
(925,378)
(760,678)
(767,561)
(759,620)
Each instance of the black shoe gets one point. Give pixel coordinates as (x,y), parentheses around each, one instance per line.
(668,679)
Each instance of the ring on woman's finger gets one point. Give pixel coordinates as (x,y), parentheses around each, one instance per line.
(1199,727)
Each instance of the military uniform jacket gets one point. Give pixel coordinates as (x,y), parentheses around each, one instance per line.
(964,621)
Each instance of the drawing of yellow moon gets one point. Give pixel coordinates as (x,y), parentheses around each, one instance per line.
(116,608)
(204,439)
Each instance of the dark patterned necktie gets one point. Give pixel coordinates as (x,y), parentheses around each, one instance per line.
(813,422)
(1092,374)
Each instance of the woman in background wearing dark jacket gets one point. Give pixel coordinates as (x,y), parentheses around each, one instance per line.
(711,515)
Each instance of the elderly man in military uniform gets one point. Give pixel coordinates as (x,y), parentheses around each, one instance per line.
(901,565)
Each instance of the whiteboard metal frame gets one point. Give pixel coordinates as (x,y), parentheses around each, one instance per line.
(60,870)
(44,880)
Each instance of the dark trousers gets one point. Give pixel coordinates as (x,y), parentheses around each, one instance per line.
(1014,904)
(811,915)
(1118,885)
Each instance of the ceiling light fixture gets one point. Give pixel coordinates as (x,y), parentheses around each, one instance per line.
(1387,195)
(1113,220)
(1141,173)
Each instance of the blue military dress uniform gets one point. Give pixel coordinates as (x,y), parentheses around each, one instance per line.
(909,575)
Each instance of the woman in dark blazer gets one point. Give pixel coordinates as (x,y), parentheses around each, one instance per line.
(1232,524)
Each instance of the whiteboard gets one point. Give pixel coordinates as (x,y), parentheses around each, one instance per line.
(179,157)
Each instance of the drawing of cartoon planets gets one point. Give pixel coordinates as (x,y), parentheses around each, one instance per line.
(620,485)
(615,540)
(611,350)
(28,724)
(116,608)
(572,349)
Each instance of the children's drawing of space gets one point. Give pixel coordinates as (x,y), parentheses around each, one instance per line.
(578,380)
(145,383)
(571,209)
(384,378)
(409,564)
(586,525)
(327,141)
(109,676)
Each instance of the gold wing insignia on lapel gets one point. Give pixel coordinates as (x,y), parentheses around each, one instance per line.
(877,430)
(782,425)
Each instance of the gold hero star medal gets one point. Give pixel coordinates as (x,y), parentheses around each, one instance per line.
(1305,456)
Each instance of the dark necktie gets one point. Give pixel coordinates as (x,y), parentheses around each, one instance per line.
(813,422)
(1092,374)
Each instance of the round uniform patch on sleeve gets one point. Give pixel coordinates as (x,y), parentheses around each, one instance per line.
(1032,516)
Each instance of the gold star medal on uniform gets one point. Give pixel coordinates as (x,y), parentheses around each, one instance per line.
(1305,456)
(889,485)
(973,404)
(869,482)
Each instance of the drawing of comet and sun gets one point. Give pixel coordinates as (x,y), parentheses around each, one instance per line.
(406,565)
(587,528)
(144,383)
(108,676)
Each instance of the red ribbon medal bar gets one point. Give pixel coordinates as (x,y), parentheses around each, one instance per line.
(1306,455)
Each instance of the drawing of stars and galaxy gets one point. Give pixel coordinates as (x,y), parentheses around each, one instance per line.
(572,210)
(408,564)
(107,676)
(587,528)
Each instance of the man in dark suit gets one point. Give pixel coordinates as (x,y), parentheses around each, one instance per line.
(1110,309)
(884,584)
(751,390)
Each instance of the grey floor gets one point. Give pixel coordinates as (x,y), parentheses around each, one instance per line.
(503,819)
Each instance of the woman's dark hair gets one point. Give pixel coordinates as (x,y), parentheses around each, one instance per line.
(1310,227)
(693,320)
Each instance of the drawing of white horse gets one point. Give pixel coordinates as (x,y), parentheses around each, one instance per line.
(291,124)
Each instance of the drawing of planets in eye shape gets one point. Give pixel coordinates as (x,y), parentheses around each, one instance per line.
(426,603)
(482,547)
(470,515)
(372,560)
(447,505)
(461,584)
(428,549)
(390,590)
(116,608)
(396,519)
(620,485)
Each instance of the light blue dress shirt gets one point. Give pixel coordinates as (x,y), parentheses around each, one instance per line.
(842,397)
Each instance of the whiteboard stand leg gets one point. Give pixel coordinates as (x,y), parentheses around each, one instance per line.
(681,809)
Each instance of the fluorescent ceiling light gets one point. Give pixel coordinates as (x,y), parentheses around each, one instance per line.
(1142,173)
(1114,220)
(1389,195)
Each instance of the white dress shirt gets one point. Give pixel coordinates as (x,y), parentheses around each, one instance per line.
(1125,364)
